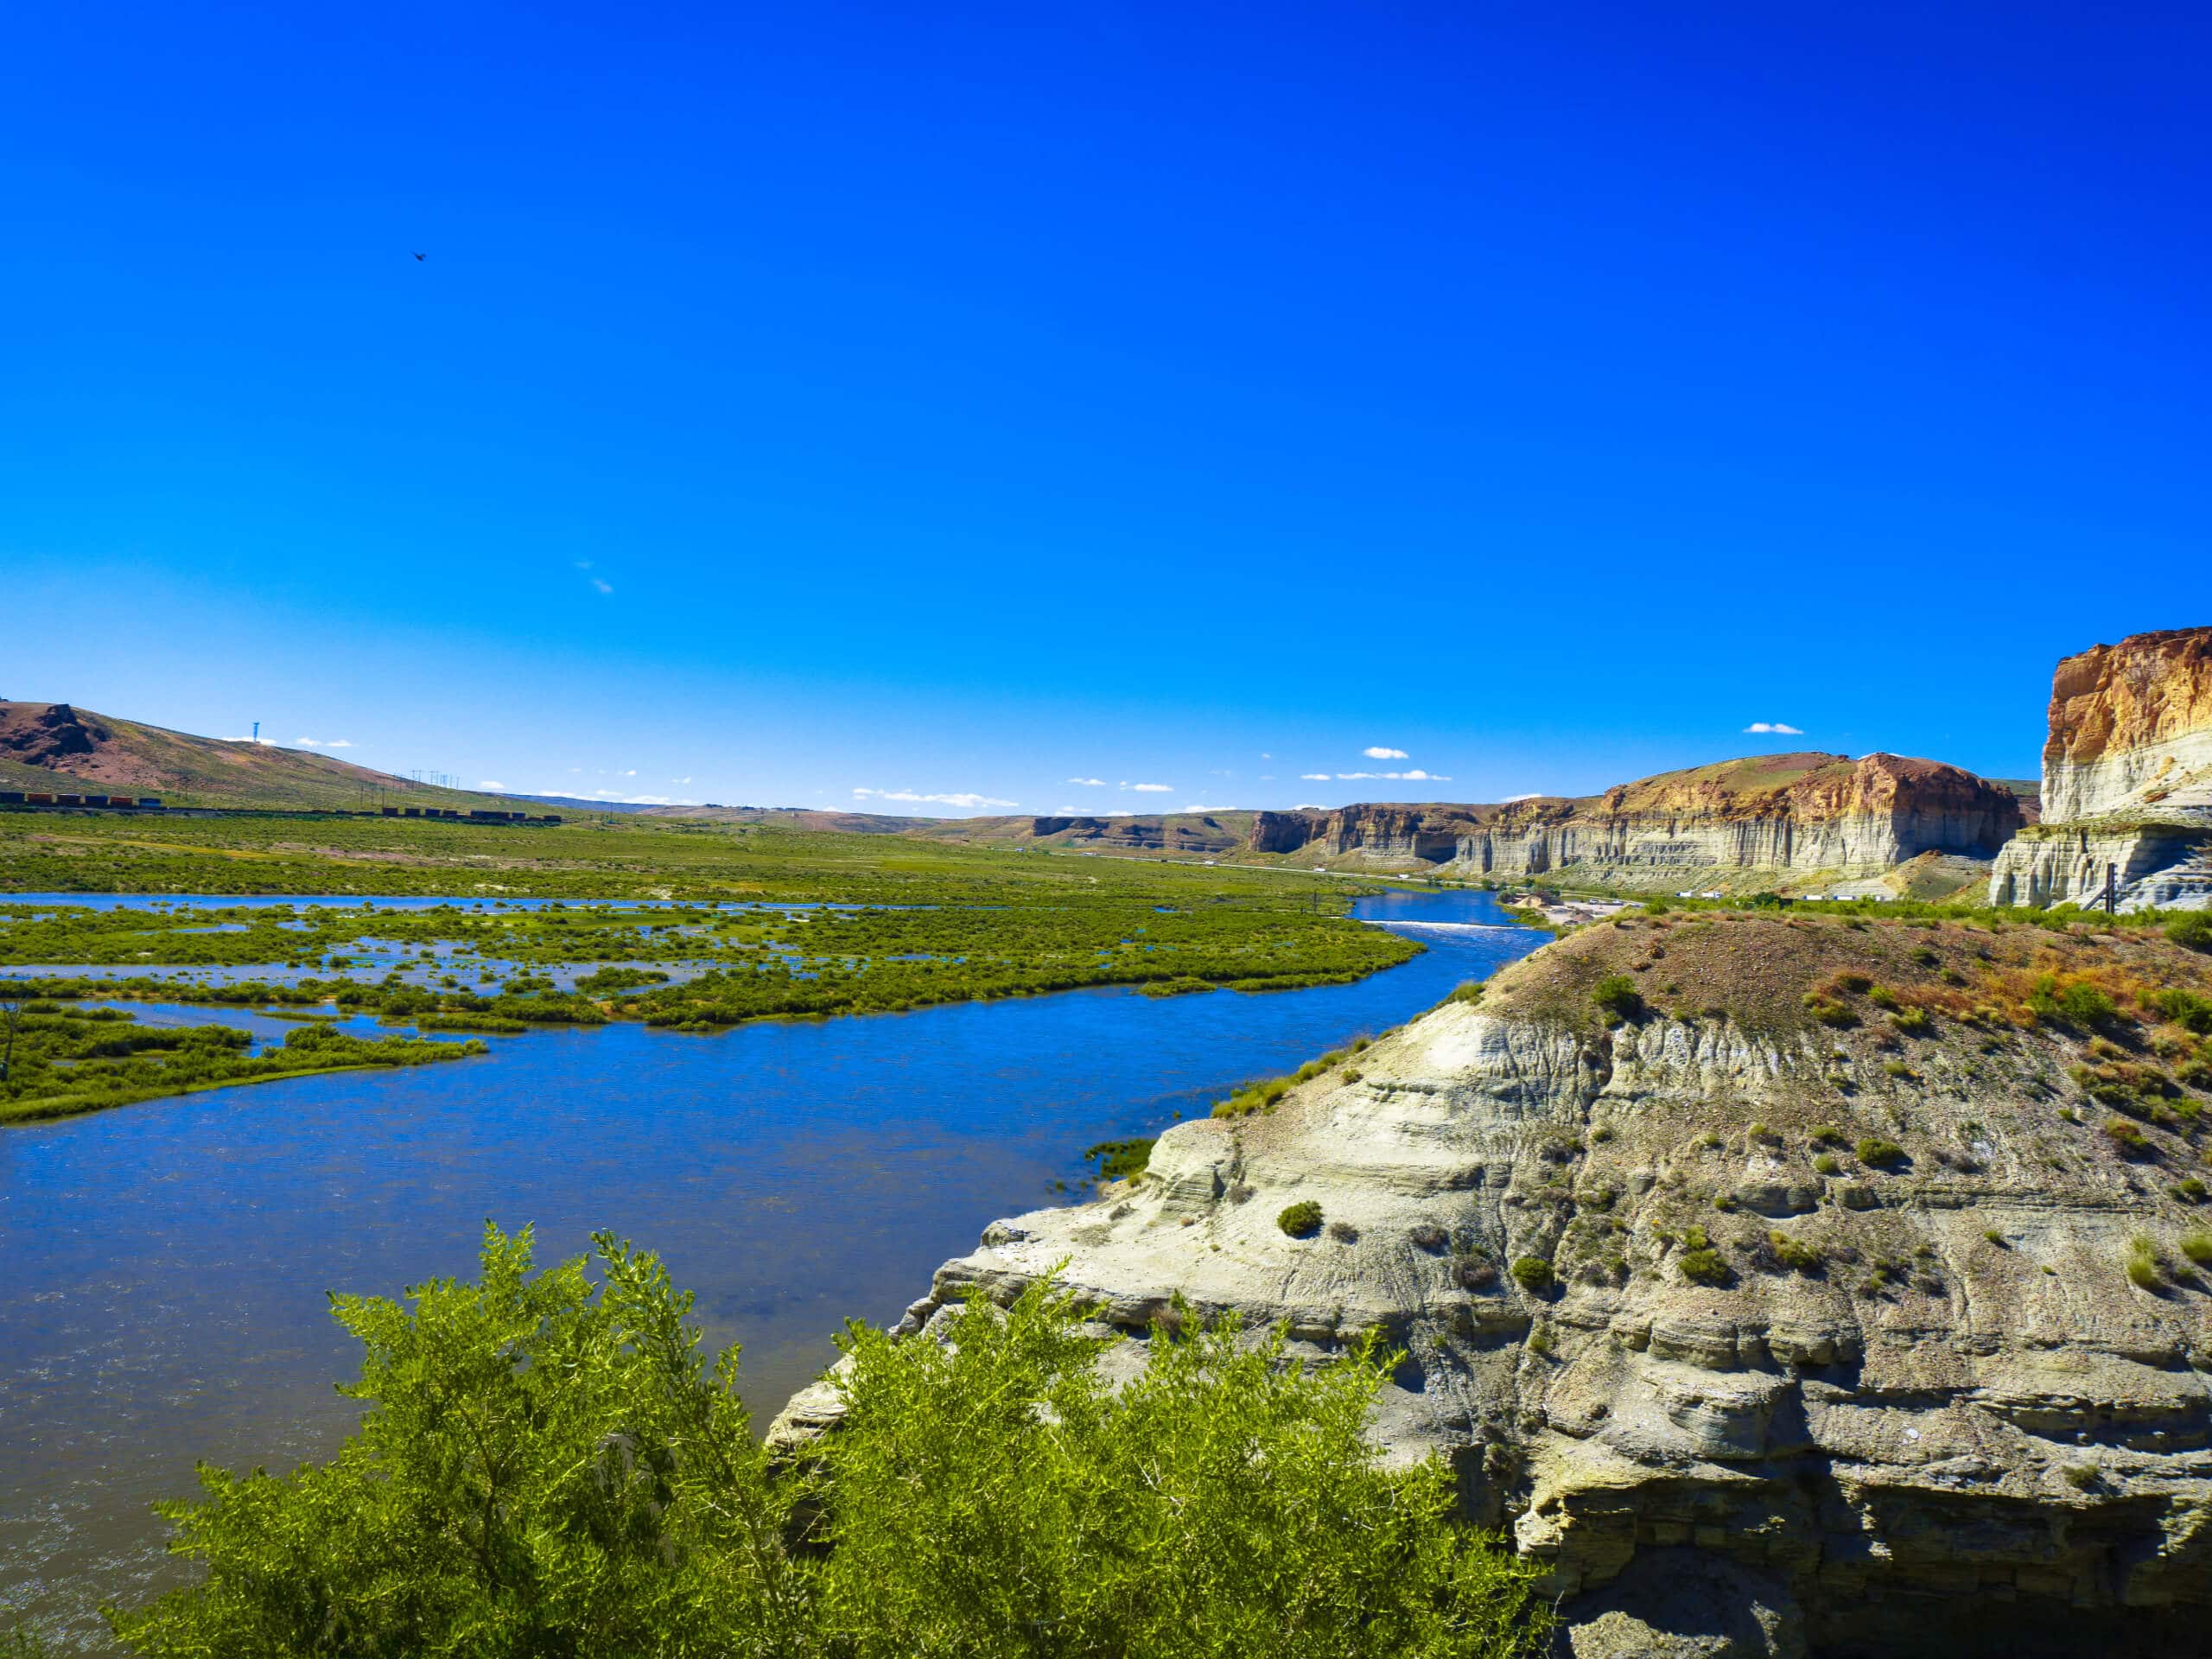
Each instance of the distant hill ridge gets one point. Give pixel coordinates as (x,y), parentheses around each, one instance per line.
(41,742)
(1756,815)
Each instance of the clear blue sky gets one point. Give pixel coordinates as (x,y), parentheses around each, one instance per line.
(801,400)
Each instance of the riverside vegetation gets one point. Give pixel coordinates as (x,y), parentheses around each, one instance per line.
(551,1465)
(825,925)
(61,1061)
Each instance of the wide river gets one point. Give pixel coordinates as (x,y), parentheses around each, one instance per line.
(162,1266)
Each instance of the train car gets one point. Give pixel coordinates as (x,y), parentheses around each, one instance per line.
(11,798)
(410,811)
(388,811)
(95,800)
(36,799)
(150,803)
(68,800)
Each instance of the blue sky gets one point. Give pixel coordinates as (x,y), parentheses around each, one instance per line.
(962,402)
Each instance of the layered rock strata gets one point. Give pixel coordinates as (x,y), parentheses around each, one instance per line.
(2127,781)
(1776,814)
(1846,1309)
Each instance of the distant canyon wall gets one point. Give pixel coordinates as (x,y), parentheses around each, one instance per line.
(1799,813)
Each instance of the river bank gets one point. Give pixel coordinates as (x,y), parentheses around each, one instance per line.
(168,1261)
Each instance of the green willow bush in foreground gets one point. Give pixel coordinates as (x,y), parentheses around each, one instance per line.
(550,1468)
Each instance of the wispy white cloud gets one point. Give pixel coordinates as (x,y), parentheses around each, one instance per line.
(1314,777)
(315,743)
(1151,789)
(1267,757)
(631,774)
(963,798)
(308,743)
(1416,776)
(679,780)
(490,783)
(1089,782)
(1381,753)
(1532,795)
(1309,806)
(640,800)
(601,585)
(1773,726)
(338,743)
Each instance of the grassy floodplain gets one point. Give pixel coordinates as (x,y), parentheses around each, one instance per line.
(886,924)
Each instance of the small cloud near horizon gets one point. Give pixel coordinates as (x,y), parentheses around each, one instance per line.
(962,798)
(1314,777)
(490,783)
(1529,794)
(1089,782)
(1151,789)
(1380,753)
(1416,776)
(1774,728)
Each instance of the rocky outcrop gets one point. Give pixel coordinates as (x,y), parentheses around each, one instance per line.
(2127,781)
(1176,833)
(2131,730)
(1776,815)
(51,735)
(1845,1310)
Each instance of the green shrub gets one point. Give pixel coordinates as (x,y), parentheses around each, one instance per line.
(2145,1270)
(1616,994)
(2131,1140)
(1470,992)
(2192,929)
(1883,997)
(2083,1004)
(1121,1160)
(1879,1154)
(1704,1266)
(1912,1022)
(1301,1220)
(1829,1012)
(2191,1191)
(1827,1164)
(1996,1237)
(1925,956)
(1794,1253)
(2198,1247)
(2186,1009)
(1533,1274)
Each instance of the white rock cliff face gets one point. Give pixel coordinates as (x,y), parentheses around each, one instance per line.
(1955,1396)
(1805,814)
(2127,781)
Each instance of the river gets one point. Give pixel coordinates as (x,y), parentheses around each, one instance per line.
(166,1263)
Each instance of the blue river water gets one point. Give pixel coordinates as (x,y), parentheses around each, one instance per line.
(166,1263)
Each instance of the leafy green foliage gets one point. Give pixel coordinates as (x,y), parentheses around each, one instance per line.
(1301,1220)
(545,1466)
(552,1467)
(1877,1154)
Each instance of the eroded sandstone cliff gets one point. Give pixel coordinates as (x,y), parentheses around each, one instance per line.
(2126,780)
(1792,814)
(1840,1270)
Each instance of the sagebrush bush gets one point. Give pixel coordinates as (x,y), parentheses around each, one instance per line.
(1301,1220)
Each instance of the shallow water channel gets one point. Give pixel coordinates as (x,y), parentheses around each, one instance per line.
(165,1263)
